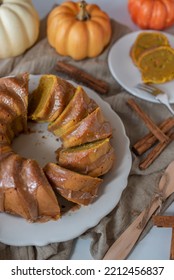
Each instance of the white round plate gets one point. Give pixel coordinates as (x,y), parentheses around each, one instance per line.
(41,145)
(127,74)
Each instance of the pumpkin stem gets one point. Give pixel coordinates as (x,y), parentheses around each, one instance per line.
(83,14)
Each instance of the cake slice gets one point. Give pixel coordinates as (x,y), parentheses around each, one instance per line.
(75,187)
(36,186)
(93,159)
(145,41)
(50,98)
(6,133)
(79,107)
(92,128)
(25,191)
(157,65)
(10,122)
(10,201)
(14,101)
(4,149)
(19,85)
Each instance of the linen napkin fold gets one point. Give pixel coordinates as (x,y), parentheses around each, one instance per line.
(41,59)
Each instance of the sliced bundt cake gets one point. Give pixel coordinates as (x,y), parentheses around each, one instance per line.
(79,107)
(50,98)
(94,159)
(92,128)
(25,189)
(75,187)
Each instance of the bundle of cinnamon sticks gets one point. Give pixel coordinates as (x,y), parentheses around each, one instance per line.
(157,139)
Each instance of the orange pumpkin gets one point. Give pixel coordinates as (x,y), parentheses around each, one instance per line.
(152,14)
(78,30)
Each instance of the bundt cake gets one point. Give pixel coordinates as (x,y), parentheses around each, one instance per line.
(157,65)
(147,40)
(26,189)
(75,187)
(94,159)
(79,107)
(50,98)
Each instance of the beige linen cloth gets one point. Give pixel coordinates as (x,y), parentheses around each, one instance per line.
(41,58)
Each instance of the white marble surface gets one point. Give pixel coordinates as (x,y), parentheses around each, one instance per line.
(156,245)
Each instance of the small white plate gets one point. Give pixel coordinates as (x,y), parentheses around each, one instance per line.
(41,145)
(127,74)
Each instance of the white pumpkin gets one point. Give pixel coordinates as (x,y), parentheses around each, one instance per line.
(19,27)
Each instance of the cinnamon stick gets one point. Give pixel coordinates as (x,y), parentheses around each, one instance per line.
(149,139)
(156,131)
(81,76)
(163,221)
(155,152)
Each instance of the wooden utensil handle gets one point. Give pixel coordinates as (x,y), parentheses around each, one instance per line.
(124,244)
